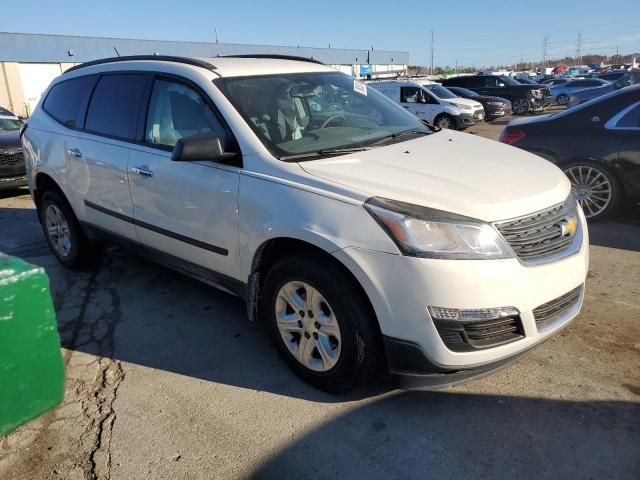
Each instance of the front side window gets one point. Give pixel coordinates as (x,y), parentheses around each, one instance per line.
(67,100)
(306,114)
(177,111)
(410,95)
(115,105)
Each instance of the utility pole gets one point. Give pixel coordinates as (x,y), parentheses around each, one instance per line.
(618,54)
(545,44)
(216,30)
(579,48)
(431,33)
(456,65)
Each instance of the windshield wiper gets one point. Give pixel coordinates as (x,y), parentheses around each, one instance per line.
(324,153)
(404,133)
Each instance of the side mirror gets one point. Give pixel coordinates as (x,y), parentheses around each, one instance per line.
(205,146)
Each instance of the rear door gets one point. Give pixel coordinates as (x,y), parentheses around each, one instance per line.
(185,210)
(626,127)
(101,152)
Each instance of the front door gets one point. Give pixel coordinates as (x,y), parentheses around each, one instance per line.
(188,210)
(412,99)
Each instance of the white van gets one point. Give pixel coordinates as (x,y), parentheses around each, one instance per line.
(472,110)
(423,104)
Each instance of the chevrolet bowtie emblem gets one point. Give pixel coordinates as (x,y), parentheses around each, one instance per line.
(569,227)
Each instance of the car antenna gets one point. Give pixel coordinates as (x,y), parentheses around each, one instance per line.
(117,52)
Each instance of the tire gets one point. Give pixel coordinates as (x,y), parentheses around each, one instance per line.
(350,342)
(445,121)
(55,213)
(562,99)
(595,188)
(520,106)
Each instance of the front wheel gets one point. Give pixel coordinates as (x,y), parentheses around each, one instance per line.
(562,99)
(445,121)
(320,322)
(596,190)
(520,106)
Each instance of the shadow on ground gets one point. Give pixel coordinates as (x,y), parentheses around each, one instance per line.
(432,435)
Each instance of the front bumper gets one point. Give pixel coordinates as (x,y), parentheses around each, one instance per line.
(495,111)
(467,119)
(13,181)
(538,104)
(401,289)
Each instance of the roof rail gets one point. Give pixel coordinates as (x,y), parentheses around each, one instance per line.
(132,58)
(275,57)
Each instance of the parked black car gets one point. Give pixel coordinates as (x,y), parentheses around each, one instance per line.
(597,144)
(523,98)
(12,168)
(494,107)
(613,75)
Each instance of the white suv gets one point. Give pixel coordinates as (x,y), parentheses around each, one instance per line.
(365,239)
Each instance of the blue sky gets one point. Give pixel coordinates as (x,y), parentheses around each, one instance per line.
(473,32)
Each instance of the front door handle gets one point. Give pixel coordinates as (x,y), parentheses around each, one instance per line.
(407,107)
(142,170)
(75,152)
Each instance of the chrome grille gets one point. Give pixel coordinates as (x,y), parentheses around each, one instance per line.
(12,157)
(546,313)
(541,234)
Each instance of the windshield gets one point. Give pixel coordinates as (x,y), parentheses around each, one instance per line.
(509,80)
(9,123)
(439,91)
(304,113)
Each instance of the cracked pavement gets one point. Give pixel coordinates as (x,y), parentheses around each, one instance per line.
(166,378)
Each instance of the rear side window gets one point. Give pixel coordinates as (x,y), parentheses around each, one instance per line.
(631,119)
(115,105)
(67,101)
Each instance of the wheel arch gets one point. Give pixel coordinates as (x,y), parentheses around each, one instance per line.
(43,182)
(273,249)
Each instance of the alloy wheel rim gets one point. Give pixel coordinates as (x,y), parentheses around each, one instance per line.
(444,122)
(562,99)
(308,326)
(520,106)
(58,230)
(591,188)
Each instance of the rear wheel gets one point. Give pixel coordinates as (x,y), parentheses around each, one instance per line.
(520,106)
(562,99)
(596,190)
(62,231)
(445,121)
(320,322)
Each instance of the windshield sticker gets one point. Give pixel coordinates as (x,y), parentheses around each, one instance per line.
(10,117)
(360,88)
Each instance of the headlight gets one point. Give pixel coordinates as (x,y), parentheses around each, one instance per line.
(425,232)
(461,106)
(536,93)
(497,104)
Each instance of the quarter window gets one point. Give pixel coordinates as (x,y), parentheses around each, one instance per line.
(631,119)
(177,111)
(67,101)
(115,105)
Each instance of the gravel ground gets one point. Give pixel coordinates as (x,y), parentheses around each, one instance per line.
(166,378)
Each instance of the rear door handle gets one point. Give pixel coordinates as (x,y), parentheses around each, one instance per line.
(142,170)
(75,152)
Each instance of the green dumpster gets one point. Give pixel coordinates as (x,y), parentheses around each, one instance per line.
(31,370)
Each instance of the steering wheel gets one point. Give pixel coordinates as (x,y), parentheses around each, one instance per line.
(337,116)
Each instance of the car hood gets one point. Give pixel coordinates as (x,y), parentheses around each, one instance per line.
(451,171)
(490,98)
(9,138)
(464,101)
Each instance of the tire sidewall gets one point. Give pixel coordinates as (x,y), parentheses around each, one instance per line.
(334,287)
(447,116)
